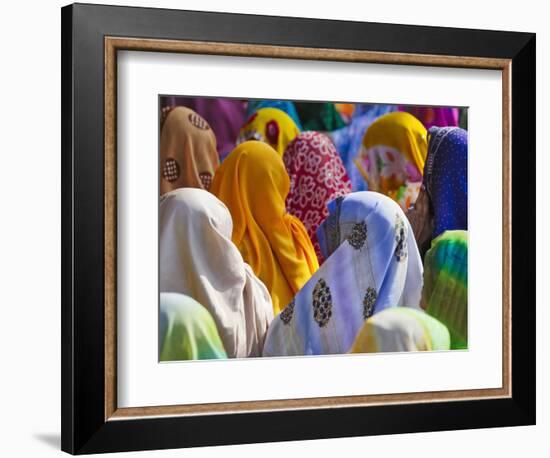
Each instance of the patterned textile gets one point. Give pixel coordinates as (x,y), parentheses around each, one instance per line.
(188,155)
(446,178)
(317,176)
(445,293)
(372,264)
(348,140)
(392,157)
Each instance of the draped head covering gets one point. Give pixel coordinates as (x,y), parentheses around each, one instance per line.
(253,183)
(445,294)
(225,116)
(392,156)
(349,139)
(446,178)
(198,259)
(372,263)
(285,105)
(317,176)
(188,155)
(186,330)
(271,126)
(401,329)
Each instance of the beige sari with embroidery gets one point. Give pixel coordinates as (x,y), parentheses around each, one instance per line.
(188,154)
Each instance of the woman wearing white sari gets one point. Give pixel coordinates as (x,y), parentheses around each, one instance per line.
(372,263)
(198,259)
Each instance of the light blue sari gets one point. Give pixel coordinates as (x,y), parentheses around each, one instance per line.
(372,263)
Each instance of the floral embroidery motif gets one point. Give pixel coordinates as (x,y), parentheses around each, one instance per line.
(312,163)
(318,201)
(331,174)
(287,313)
(358,235)
(400,239)
(317,176)
(206,180)
(311,218)
(171,170)
(322,303)
(198,121)
(305,189)
(368,302)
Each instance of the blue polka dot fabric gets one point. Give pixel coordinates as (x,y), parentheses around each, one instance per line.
(446,178)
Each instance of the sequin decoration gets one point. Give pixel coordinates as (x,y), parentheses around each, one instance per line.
(206,180)
(368,302)
(164,114)
(286,314)
(171,170)
(400,239)
(358,235)
(198,121)
(322,303)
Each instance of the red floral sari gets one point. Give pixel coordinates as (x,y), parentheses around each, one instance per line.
(317,176)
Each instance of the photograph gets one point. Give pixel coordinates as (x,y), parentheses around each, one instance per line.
(308,228)
(294,227)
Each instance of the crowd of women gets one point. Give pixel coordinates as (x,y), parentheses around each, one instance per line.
(292,229)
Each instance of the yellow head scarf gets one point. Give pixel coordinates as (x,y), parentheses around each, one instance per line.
(253,184)
(271,126)
(393,155)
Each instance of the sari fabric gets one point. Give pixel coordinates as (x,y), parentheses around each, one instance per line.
(392,157)
(445,294)
(271,126)
(198,259)
(317,176)
(372,263)
(348,140)
(401,329)
(285,105)
(434,116)
(253,183)
(225,116)
(186,330)
(446,178)
(188,155)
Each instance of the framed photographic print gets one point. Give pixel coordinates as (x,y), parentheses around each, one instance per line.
(286,228)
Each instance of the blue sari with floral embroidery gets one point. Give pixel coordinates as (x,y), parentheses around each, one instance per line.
(372,263)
